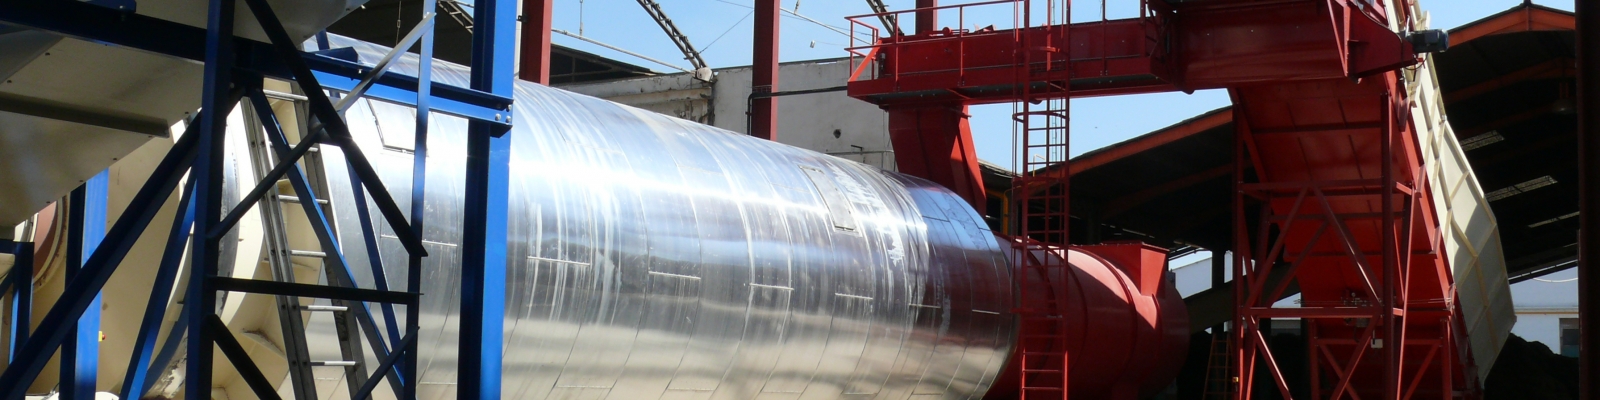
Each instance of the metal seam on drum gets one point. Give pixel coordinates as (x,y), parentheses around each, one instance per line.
(660,258)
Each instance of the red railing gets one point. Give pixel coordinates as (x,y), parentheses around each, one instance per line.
(878,52)
(867,51)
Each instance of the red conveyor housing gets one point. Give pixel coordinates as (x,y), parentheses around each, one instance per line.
(1128,330)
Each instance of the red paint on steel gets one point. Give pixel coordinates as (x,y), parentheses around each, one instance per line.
(764,70)
(936,143)
(1322,122)
(1215,47)
(1097,158)
(1346,208)
(1127,336)
(1527,18)
(928,19)
(535,62)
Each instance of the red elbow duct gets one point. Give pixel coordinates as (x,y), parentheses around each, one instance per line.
(1127,329)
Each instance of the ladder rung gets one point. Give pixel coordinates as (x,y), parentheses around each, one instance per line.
(307,253)
(283,96)
(334,363)
(1042,388)
(315,307)
(296,199)
(1041,371)
(313,149)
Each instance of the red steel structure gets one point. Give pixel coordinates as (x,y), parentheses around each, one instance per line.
(1329,178)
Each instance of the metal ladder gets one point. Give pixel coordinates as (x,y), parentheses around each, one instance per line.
(1219,377)
(1041,130)
(281,255)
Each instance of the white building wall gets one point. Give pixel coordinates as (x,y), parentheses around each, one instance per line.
(828,122)
(1541,303)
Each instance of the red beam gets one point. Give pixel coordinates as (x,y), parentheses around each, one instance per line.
(1560,67)
(1145,143)
(535,60)
(927,20)
(1527,18)
(1201,47)
(764,71)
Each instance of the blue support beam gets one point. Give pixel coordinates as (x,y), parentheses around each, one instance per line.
(144,345)
(102,25)
(86,228)
(486,104)
(208,176)
(29,360)
(483,257)
(419,198)
(339,270)
(20,282)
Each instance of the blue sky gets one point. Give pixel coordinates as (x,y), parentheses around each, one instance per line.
(722,30)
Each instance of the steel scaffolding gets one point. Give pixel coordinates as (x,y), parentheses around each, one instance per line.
(235,68)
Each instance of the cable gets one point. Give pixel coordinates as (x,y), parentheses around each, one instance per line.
(1555,280)
(703,50)
(793,14)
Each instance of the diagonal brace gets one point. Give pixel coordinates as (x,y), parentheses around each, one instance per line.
(324,111)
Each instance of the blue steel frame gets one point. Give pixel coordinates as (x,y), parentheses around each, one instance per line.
(233,69)
(19,282)
(86,227)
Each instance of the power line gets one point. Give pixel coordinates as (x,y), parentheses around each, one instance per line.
(725,32)
(792,14)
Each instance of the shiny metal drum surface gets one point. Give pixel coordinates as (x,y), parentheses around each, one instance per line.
(652,257)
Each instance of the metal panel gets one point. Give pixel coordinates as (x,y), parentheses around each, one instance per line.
(651,257)
(1472,235)
(47,157)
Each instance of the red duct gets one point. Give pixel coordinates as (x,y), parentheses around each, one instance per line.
(1128,330)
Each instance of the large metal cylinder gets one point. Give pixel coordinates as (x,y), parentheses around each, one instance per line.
(652,257)
(1127,331)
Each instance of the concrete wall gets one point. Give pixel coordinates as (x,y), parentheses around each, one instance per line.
(829,122)
(678,95)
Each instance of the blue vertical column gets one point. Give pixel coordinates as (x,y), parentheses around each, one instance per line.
(21,283)
(419,190)
(483,258)
(200,302)
(80,356)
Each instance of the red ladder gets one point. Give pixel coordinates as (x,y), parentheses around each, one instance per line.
(1041,132)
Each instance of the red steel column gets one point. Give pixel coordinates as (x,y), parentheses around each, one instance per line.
(935,143)
(535,62)
(764,71)
(1589,200)
(928,20)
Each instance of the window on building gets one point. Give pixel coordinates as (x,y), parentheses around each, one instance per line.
(1569,337)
